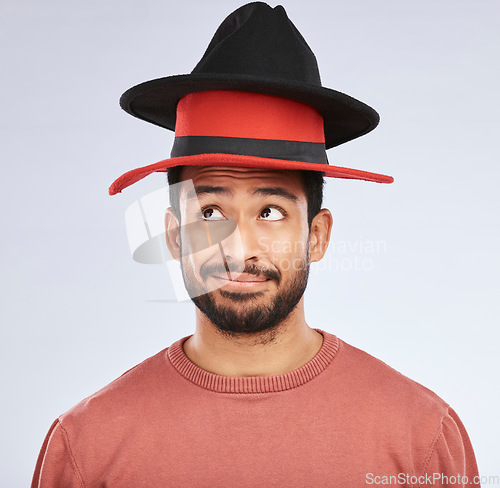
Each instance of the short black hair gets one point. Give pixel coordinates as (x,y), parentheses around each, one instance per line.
(313,182)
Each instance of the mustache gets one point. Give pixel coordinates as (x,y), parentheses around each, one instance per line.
(236,268)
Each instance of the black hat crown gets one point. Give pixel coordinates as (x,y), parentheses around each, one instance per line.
(260,41)
(256,49)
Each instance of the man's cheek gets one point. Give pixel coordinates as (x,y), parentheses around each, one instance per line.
(283,246)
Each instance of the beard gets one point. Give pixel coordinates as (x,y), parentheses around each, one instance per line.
(243,312)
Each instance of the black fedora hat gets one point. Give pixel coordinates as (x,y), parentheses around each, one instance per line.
(256,49)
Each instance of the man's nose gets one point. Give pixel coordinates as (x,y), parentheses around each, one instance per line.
(244,243)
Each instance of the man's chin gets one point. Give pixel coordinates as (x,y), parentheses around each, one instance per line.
(240,302)
(237,312)
(240,296)
(233,292)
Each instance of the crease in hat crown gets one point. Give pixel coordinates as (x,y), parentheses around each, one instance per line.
(256,49)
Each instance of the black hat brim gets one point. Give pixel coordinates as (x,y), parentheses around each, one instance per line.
(345,118)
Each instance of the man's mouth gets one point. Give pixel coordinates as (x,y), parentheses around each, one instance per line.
(241,280)
(235,275)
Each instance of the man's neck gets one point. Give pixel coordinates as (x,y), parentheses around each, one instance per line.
(275,352)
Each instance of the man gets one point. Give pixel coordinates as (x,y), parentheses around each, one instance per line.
(255,397)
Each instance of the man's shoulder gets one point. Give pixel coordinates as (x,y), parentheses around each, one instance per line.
(128,392)
(377,382)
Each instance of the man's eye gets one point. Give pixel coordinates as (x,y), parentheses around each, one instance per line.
(271,213)
(211,213)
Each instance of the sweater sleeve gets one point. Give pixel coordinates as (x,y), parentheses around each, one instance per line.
(55,467)
(451,462)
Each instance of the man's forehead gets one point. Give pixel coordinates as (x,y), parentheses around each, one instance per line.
(250,178)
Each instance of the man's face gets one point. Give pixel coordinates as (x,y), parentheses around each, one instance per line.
(256,277)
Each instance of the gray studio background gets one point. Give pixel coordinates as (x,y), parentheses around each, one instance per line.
(77,311)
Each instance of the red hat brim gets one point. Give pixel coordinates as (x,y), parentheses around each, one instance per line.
(236,160)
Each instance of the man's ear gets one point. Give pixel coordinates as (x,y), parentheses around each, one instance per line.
(319,237)
(172,234)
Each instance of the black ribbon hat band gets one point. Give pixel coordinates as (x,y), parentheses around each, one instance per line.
(307,152)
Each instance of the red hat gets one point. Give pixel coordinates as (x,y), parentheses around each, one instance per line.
(254,100)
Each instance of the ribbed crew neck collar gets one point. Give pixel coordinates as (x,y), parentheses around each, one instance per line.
(254,384)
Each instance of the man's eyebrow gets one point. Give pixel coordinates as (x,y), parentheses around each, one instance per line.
(199,190)
(275,191)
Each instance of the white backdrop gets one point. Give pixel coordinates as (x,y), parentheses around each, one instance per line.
(412,273)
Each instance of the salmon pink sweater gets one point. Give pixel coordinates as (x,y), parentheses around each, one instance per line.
(344,419)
